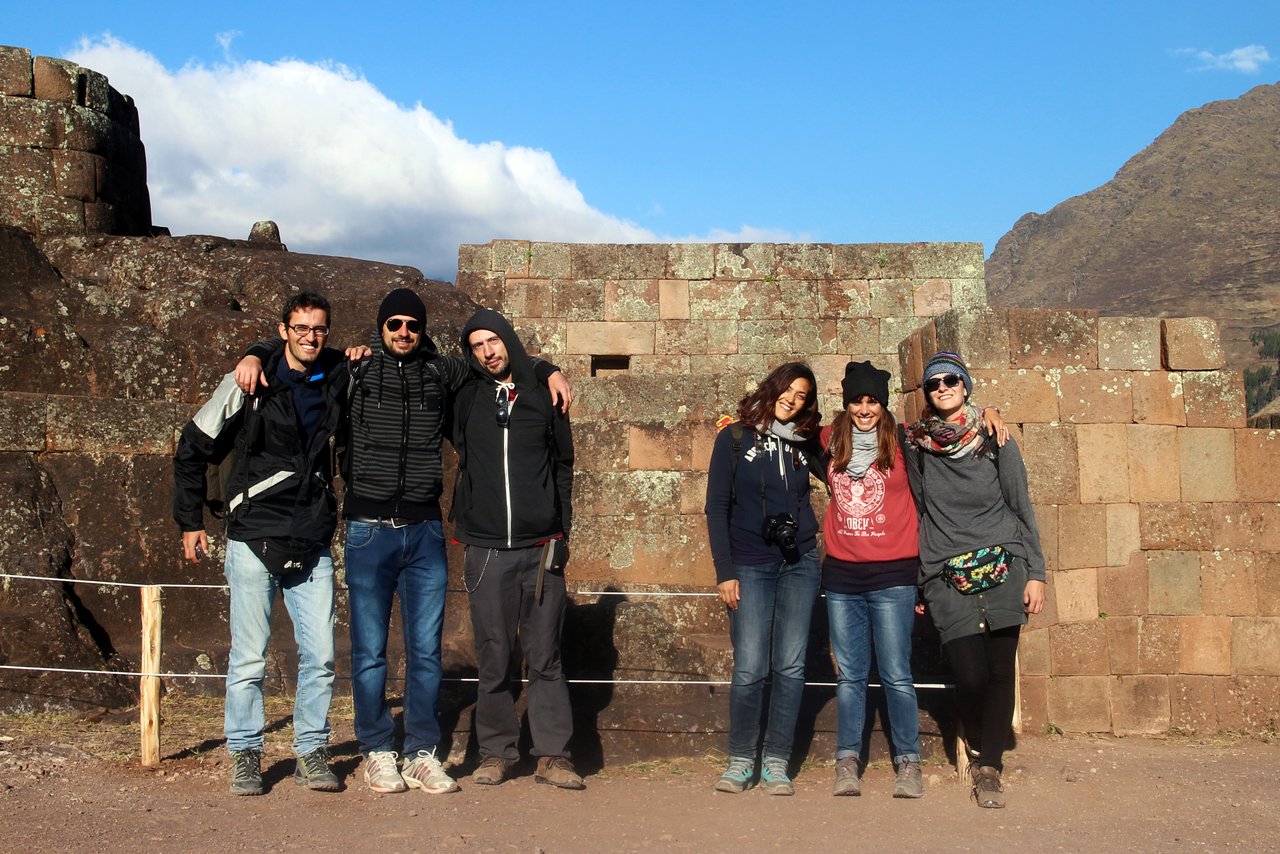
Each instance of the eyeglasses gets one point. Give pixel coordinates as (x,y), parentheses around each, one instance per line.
(949,380)
(504,406)
(302,330)
(394,324)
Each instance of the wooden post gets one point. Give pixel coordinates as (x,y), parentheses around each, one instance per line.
(149,692)
(962,754)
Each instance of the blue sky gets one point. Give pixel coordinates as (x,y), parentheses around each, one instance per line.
(395,131)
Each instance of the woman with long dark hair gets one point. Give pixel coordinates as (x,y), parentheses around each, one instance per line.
(763,536)
(982,569)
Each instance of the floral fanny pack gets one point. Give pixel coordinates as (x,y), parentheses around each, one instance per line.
(976,571)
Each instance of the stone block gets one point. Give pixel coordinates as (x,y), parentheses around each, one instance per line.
(581,300)
(591,260)
(661,364)
(1104,462)
(693,492)
(803,260)
(109,425)
(1049,338)
(1266,575)
(893,331)
(911,361)
(27,171)
(734,300)
(1078,542)
(1080,703)
(1022,395)
(980,335)
(600,445)
(1207,464)
(844,298)
(1049,452)
(1122,644)
(663,399)
(25,122)
(631,299)
(1124,537)
(1204,645)
(673,299)
(1152,448)
(691,261)
(931,297)
(22,418)
(1077,591)
(1227,583)
(15,72)
(660,448)
(1034,695)
(100,218)
(1214,398)
(1173,582)
(96,92)
(871,260)
(75,174)
(943,260)
(891,298)
(56,79)
(745,261)
(1158,398)
(1247,704)
(1123,589)
(475,258)
(696,337)
(1257,465)
(1178,525)
(1191,344)
(486,289)
(549,260)
(1129,343)
(1140,705)
(640,261)
(1255,646)
(798,299)
(627,546)
(1159,644)
(1033,652)
(625,493)
(1079,649)
(547,337)
(610,339)
(788,337)
(703,437)
(968,293)
(1246,527)
(1047,522)
(84,130)
(1048,617)
(1191,704)
(1095,397)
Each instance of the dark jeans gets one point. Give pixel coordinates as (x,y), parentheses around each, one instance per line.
(983,667)
(770,634)
(504,610)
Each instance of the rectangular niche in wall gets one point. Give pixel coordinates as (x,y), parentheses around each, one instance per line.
(604,365)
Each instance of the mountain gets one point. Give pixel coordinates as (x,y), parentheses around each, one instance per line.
(1189,226)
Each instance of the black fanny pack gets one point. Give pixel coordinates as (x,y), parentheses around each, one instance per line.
(282,556)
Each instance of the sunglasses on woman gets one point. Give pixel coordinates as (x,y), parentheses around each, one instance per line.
(934,383)
(394,324)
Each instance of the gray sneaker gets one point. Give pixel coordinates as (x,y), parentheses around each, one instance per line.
(987,790)
(909,782)
(312,770)
(848,783)
(425,772)
(246,772)
(381,772)
(773,776)
(737,777)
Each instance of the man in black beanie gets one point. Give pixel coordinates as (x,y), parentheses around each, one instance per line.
(398,395)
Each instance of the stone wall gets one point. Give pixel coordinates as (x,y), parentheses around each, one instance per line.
(71,160)
(1158,508)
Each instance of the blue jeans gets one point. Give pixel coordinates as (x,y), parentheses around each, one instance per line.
(308,596)
(383,561)
(770,634)
(887,616)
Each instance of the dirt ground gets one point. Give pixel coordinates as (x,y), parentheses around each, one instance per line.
(74,784)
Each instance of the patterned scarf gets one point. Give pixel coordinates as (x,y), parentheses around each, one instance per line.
(961,437)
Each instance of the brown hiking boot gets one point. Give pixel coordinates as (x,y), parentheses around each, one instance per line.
(492,771)
(558,771)
(987,790)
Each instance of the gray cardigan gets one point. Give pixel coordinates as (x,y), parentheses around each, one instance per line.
(967,504)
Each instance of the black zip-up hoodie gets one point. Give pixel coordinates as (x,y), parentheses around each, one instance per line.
(279,487)
(515,482)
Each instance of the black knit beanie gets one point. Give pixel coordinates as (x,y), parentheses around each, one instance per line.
(865,378)
(402,301)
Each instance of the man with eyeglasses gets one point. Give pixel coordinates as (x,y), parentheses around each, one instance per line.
(281,515)
(393,474)
(512,506)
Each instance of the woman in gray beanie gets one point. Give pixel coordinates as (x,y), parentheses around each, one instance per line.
(982,570)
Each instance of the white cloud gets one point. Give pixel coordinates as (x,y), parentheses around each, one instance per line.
(340,167)
(1247,60)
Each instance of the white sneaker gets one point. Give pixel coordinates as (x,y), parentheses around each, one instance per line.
(425,772)
(381,772)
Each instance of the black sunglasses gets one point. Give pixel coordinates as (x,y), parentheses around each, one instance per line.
(933,383)
(394,324)
(504,406)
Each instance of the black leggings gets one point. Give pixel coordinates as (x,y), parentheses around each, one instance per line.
(984,668)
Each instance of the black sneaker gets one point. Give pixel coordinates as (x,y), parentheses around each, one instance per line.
(312,770)
(246,772)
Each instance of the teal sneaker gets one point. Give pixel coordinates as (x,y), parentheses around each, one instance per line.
(737,777)
(773,776)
